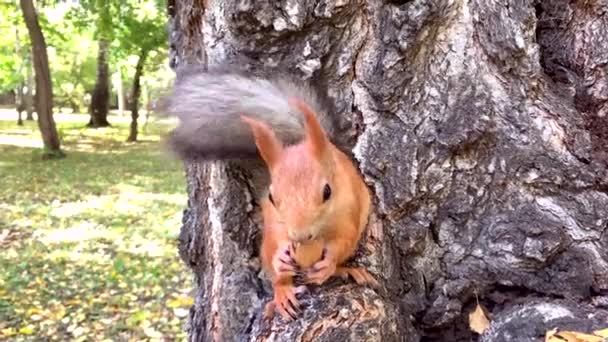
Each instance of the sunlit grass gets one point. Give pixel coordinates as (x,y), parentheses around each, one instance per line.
(89,242)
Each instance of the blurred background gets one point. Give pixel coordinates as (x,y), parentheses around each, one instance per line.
(90,205)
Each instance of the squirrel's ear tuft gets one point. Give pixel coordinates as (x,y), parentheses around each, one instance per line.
(315,135)
(269,147)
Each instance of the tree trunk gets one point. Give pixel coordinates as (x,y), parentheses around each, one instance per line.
(148,106)
(100,99)
(19,90)
(20,105)
(135,93)
(44,90)
(480,127)
(121,94)
(28,96)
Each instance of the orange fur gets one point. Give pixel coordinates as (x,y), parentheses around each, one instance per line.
(300,223)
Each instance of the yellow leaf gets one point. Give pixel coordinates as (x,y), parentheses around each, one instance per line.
(549,335)
(28,330)
(573,336)
(180,301)
(58,313)
(565,336)
(478,322)
(588,337)
(145,324)
(74,301)
(603,332)
(8,332)
(555,339)
(33,311)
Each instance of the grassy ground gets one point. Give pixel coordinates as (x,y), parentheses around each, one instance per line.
(88,243)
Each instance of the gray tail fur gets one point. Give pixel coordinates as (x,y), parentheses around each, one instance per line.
(209,105)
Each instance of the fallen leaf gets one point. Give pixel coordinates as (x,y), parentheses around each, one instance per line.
(478,322)
(180,301)
(549,335)
(78,331)
(28,330)
(3,235)
(150,332)
(8,332)
(180,312)
(602,333)
(573,336)
(565,336)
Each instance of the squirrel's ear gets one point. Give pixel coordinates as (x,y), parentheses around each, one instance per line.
(269,147)
(314,132)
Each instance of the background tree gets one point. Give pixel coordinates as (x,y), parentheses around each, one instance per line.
(30,85)
(44,89)
(142,33)
(19,90)
(480,127)
(72,57)
(105,14)
(13,55)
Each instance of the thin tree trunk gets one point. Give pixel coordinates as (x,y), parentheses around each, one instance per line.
(135,93)
(480,127)
(121,94)
(19,103)
(146,100)
(44,90)
(28,98)
(100,99)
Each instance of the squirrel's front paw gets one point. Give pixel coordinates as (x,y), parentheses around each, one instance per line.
(283,264)
(321,271)
(285,301)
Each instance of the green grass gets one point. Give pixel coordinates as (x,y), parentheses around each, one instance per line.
(88,243)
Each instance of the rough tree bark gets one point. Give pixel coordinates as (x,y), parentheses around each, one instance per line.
(480,127)
(44,90)
(135,94)
(100,99)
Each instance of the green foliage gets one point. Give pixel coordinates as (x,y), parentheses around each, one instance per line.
(72,61)
(143,29)
(103,13)
(89,242)
(14,46)
(135,28)
(142,34)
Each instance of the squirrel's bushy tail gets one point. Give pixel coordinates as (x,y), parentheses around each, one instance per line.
(209,106)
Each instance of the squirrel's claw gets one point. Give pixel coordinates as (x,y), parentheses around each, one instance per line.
(283,263)
(321,271)
(286,303)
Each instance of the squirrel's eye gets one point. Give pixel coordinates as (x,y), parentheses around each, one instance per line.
(270,198)
(326,192)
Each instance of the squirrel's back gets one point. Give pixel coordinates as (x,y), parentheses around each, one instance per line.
(209,105)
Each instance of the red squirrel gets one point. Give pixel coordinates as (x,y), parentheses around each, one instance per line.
(316,206)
